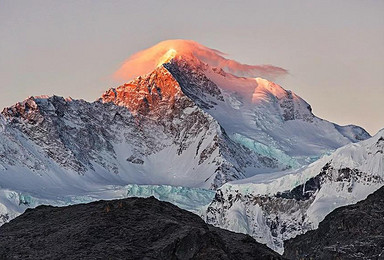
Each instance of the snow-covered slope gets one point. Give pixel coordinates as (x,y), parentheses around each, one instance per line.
(276,207)
(145,132)
(261,115)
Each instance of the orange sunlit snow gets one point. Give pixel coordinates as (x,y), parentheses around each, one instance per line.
(146,60)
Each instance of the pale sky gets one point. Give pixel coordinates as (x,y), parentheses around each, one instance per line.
(333,50)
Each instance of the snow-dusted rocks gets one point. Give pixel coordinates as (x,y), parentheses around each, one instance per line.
(162,100)
(275,208)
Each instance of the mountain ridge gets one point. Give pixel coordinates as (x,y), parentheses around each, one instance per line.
(277,208)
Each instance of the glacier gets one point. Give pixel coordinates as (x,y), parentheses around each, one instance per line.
(266,150)
(14,203)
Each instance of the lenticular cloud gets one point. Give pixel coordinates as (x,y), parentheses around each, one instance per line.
(146,60)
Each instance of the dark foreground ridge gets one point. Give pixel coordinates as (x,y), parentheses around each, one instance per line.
(134,228)
(350,232)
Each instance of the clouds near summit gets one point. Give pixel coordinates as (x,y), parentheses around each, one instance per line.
(146,60)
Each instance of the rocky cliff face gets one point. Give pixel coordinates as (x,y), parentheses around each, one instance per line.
(174,103)
(122,229)
(70,133)
(350,232)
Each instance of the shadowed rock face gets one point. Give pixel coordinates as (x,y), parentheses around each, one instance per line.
(351,232)
(134,228)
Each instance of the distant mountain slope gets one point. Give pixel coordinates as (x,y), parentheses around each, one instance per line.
(122,229)
(275,208)
(350,232)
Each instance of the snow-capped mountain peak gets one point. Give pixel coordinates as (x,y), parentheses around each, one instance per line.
(146,94)
(234,127)
(167,57)
(191,120)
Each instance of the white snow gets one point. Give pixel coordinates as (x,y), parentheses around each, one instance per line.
(254,110)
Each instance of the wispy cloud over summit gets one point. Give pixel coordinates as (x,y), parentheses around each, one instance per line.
(146,60)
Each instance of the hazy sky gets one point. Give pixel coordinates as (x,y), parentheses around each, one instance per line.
(334,50)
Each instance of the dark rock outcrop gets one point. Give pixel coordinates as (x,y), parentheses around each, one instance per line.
(350,232)
(134,228)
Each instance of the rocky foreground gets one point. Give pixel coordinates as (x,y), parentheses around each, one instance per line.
(134,228)
(350,232)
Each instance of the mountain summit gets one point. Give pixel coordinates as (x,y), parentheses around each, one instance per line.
(147,60)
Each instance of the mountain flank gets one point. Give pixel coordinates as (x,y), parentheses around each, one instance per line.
(351,232)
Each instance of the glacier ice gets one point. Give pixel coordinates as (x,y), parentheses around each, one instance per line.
(13,203)
(266,150)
